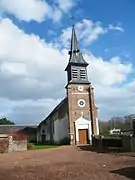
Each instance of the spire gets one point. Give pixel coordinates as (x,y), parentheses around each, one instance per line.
(77,66)
(75,54)
(74,42)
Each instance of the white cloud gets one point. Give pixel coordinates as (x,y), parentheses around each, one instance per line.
(37,10)
(26,10)
(87,31)
(27,111)
(32,55)
(66,5)
(117,28)
(32,73)
(14,68)
(113,71)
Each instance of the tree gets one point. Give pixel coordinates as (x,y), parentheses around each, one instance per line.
(5,121)
(104,127)
(129,121)
(123,123)
(117,122)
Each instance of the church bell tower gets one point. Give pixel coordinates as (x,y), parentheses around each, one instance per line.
(83,118)
(77,66)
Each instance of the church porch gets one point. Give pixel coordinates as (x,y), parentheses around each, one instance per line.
(83,132)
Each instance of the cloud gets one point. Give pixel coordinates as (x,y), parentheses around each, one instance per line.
(66,5)
(87,31)
(32,77)
(112,71)
(27,111)
(21,64)
(117,28)
(114,93)
(26,10)
(37,10)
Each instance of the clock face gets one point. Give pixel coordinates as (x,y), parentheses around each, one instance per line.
(81,103)
(80,88)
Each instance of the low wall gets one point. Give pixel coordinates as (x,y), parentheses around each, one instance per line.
(4,143)
(105,142)
(10,144)
(17,145)
(123,143)
(128,142)
(112,142)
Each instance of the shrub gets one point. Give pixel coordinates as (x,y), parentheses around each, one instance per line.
(30,146)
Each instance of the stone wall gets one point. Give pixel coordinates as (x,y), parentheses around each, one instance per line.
(17,145)
(10,144)
(4,143)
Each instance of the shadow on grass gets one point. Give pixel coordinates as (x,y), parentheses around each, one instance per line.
(128,172)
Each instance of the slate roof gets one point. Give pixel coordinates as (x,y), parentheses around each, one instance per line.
(75,54)
(7,129)
(54,110)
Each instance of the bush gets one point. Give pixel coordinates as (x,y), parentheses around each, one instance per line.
(30,146)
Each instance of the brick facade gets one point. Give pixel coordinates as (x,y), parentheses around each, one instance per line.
(89,111)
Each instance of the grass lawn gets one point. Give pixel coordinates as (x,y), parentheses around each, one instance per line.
(39,147)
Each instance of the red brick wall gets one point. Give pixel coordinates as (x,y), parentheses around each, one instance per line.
(89,111)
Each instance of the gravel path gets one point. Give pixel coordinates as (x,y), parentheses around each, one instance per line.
(66,163)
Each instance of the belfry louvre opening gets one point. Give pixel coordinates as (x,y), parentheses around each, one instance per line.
(82,74)
(74,73)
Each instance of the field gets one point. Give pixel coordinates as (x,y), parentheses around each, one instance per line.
(66,163)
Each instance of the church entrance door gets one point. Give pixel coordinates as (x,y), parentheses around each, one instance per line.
(83,136)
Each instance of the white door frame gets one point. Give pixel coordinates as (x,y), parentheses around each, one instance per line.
(82,123)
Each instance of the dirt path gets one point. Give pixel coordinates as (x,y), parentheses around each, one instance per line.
(65,163)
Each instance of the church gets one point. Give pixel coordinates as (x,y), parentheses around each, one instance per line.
(75,119)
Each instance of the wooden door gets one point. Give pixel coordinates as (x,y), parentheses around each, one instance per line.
(83,136)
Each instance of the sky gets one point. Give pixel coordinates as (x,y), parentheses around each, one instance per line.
(34,43)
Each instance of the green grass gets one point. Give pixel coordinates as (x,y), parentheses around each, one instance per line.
(39,147)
